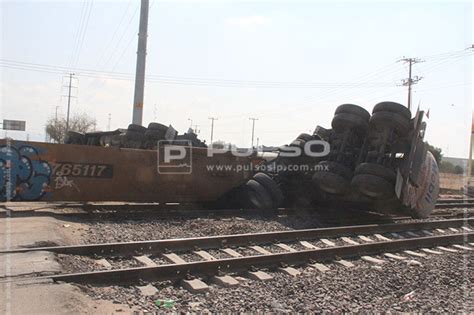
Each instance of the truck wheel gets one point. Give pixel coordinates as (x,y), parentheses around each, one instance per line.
(393,108)
(136,128)
(344,121)
(155,134)
(134,135)
(305,137)
(336,168)
(257,196)
(331,183)
(157,126)
(353,109)
(373,186)
(332,177)
(376,170)
(298,143)
(271,186)
(73,137)
(382,120)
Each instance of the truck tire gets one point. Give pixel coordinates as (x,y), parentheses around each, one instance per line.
(332,177)
(157,126)
(392,107)
(382,120)
(305,137)
(74,137)
(271,186)
(373,186)
(136,128)
(257,196)
(353,109)
(344,121)
(376,170)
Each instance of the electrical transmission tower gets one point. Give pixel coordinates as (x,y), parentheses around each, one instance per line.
(410,80)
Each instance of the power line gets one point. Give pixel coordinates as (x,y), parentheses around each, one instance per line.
(84,32)
(181,80)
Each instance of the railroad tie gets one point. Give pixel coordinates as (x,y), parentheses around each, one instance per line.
(286,247)
(259,275)
(412,234)
(381,237)
(225,281)
(465,228)
(365,239)
(231,252)
(449,250)
(345,263)
(349,241)
(205,255)
(393,256)
(145,261)
(175,259)
(328,242)
(195,285)
(373,260)
(428,233)
(260,250)
(462,247)
(430,251)
(453,230)
(440,231)
(308,245)
(396,235)
(290,271)
(412,253)
(319,267)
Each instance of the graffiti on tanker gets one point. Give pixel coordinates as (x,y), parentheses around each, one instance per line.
(23,175)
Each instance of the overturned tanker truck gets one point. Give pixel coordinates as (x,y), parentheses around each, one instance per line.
(377,162)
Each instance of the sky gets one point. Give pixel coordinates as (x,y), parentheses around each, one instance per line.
(287,63)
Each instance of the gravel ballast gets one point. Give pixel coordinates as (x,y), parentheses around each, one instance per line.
(443,283)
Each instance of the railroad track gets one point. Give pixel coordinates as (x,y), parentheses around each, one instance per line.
(454,203)
(219,258)
(175,210)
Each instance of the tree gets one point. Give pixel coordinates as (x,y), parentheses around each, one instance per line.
(458,170)
(56,128)
(446,167)
(436,153)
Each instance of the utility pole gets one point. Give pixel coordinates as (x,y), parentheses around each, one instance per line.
(212,128)
(56,114)
(140,70)
(410,81)
(69,101)
(191,125)
(253,128)
(196,129)
(108,124)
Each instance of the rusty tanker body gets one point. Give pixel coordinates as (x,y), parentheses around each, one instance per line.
(376,162)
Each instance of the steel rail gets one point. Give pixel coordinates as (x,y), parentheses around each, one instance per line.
(455,205)
(207,242)
(467,200)
(209,268)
